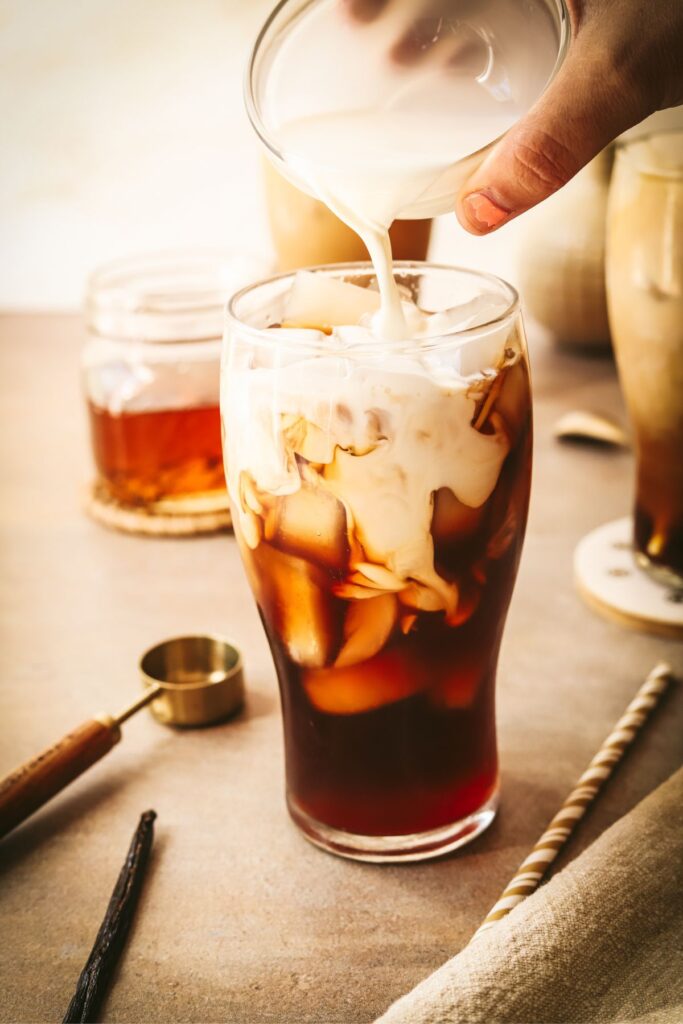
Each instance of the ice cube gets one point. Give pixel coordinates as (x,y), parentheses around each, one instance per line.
(469,595)
(367,628)
(311,523)
(249,496)
(480,310)
(354,335)
(509,512)
(514,399)
(430,595)
(367,574)
(251,527)
(306,439)
(479,351)
(408,620)
(503,537)
(295,603)
(486,419)
(250,567)
(424,599)
(324,302)
(388,677)
(354,591)
(451,519)
(484,353)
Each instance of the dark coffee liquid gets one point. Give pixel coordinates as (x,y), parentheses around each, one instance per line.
(658,528)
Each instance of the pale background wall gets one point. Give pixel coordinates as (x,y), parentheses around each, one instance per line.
(123,130)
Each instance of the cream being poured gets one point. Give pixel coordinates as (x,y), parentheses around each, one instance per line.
(365,167)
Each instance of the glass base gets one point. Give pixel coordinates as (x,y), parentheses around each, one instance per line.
(178,517)
(395,849)
(661,574)
(608,576)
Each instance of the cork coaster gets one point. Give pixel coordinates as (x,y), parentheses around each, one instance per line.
(611,583)
(203,514)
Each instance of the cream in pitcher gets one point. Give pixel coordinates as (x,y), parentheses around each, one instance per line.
(376,137)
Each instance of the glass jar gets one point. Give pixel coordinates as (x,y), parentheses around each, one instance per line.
(151,368)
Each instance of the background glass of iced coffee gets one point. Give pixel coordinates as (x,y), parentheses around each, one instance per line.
(645,299)
(305,232)
(379,495)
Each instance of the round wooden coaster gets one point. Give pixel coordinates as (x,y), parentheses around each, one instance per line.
(209,514)
(611,583)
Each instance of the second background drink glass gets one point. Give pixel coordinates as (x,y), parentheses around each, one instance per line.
(645,296)
(379,495)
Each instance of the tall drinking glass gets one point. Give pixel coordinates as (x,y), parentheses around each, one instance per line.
(645,300)
(379,494)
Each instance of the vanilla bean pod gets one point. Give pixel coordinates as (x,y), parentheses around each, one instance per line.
(111,937)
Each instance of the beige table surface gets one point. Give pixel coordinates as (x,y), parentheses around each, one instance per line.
(241,919)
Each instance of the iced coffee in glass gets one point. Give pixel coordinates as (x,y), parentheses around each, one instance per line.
(645,299)
(379,492)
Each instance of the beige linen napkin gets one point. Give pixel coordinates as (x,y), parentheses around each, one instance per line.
(601,942)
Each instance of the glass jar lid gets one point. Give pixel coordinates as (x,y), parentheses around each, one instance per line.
(167,297)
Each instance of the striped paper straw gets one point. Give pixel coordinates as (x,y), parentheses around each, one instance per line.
(532,870)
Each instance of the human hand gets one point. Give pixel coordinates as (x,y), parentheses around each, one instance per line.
(624,62)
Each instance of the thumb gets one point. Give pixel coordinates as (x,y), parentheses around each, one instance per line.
(582,110)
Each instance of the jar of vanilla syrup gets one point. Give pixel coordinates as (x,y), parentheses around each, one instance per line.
(151,370)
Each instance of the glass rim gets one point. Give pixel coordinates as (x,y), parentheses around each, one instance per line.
(106,284)
(625,148)
(326,344)
(166,296)
(249,90)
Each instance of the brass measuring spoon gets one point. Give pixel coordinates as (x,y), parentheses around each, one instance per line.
(188,681)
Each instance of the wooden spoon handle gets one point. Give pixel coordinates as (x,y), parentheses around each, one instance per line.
(30,786)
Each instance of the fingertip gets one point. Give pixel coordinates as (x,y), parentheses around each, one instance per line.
(480,212)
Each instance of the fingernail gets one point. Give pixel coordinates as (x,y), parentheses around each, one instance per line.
(483,212)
